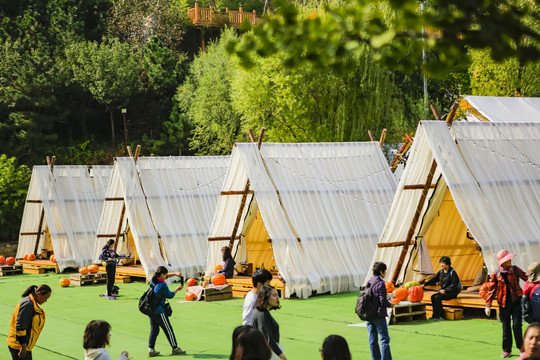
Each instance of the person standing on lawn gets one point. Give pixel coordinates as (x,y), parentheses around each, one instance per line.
(27,322)
(378,326)
(268,299)
(450,286)
(260,278)
(110,257)
(509,293)
(159,317)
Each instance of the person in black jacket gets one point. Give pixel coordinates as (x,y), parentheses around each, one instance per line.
(450,287)
(268,299)
(227,268)
(378,326)
(110,257)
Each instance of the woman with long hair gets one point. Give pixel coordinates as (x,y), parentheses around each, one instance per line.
(110,257)
(27,322)
(249,344)
(96,336)
(268,299)
(159,317)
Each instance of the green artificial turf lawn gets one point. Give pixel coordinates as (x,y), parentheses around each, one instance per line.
(204,329)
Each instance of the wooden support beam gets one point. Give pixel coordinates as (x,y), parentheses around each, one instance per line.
(392,244)
(29,233)
(452,113)
(114,199)
(435,112)
(40,227)
(251,137)
(34,201)
(137,152)
(418,187)
(119,228)
(383,136)
(371,137)
(99,236)
(130,154)
(235,192)
(222,238)
(415,220)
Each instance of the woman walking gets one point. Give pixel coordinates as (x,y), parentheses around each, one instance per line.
(27,322)
(268,299)
(378,325)
(96,335)
(159,317)
(109,256)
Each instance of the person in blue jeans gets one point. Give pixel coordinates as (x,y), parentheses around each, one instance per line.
(378,325)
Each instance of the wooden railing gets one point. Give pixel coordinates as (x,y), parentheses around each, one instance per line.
(209,17)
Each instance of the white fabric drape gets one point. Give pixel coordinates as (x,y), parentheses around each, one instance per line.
(182,194)
(335,196)
(506,109)
(72,198)
(493,173)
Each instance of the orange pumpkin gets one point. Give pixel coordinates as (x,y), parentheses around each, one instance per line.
(191,282)
(93,268)
(64,282)
(395,300)
(83,270)
(485,288)
(10,260)
(389,287)
(401,293)
(219,267)
(53,258)
(191,296)
(416,293)
(32,257)
(205,284)
(2,259)
(25,257)
(218,279)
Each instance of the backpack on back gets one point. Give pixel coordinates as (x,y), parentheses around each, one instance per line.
(146,302)
(366,306)
(535,305)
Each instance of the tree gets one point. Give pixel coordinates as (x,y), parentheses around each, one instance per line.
(109,71)
(394,31)
(14,180)
(205,98)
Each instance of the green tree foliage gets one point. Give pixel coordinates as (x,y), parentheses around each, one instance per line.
(14,180)
(205,98)
(394,31)
(303,105)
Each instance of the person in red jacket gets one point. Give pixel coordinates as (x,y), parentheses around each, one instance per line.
(509,293)
(534,279)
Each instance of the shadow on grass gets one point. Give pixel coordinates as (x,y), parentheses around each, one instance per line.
(209,356)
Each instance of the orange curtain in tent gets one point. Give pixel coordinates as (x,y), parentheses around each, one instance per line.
(259,249)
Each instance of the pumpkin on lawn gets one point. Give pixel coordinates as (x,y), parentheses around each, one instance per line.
(401,293)
(416,293)
(191,282)
(93,268)
(83,270)
(389,287)
(485,288)
(218,279)
(64,282)
(2,259)
(191,296)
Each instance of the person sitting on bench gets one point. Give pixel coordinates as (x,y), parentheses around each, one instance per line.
(450,287)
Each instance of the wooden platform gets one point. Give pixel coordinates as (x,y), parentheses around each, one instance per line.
(6,270)
(40,263)
(408,312)
(88,279)
(33,269)
(242,284)
(127,270)
(464,300)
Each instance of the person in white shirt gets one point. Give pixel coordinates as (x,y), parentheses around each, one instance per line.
(260,278)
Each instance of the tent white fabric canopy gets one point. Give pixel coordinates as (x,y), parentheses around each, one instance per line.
(169,204)
(71,198)
(492,171)
(333,197)
(503,109)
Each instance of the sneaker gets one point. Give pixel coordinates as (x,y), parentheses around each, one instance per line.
(152,353)
(178,351)
(102,295)
(506,354)
(111,297)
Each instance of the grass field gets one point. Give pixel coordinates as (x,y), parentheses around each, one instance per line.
(204,329)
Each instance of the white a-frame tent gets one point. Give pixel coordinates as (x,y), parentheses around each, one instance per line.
(164,207)
(62,211)
(500,109)
(316,210)
(481,185)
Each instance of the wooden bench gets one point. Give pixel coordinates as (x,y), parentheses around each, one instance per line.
(40,263)
(10,270)
(33,269)
(88,279)
(464,300)
(450,313)
(408,312)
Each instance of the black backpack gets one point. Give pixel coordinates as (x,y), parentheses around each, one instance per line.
(146,302)
(366,306)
